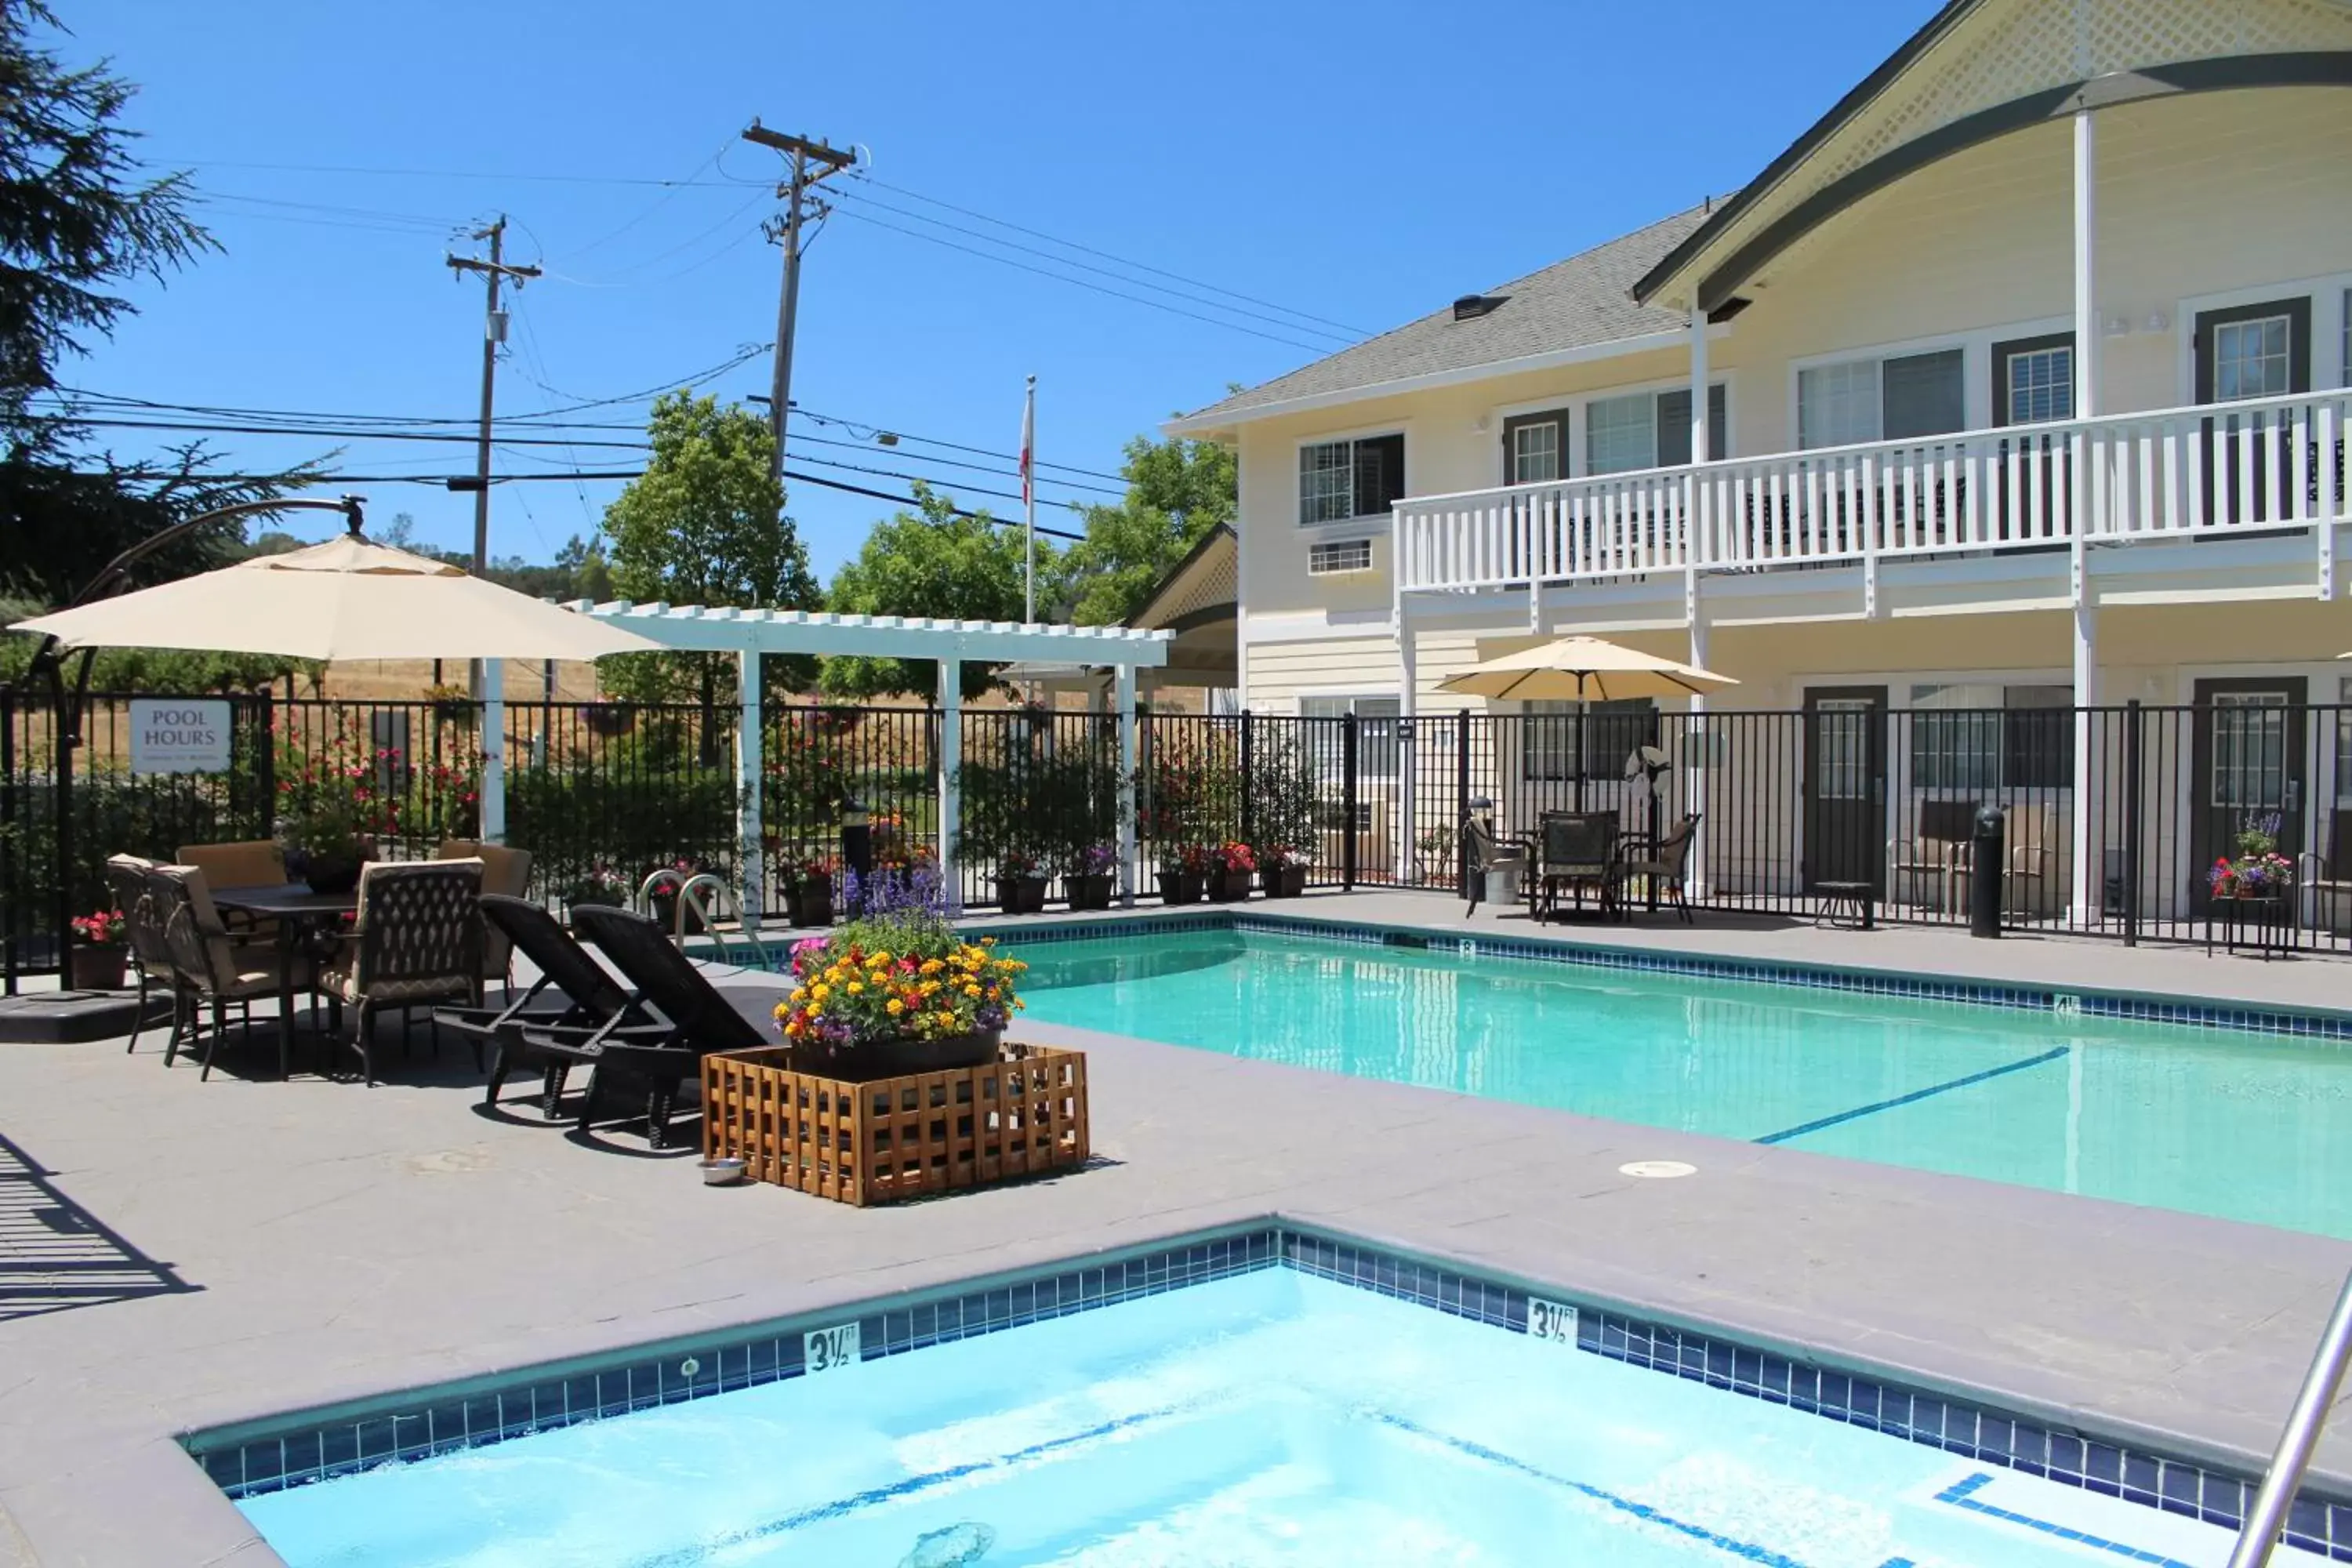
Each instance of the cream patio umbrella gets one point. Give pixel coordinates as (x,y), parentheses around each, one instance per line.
(348,598)
(1579,668)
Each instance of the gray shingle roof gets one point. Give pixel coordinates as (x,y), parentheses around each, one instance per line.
(1576,303)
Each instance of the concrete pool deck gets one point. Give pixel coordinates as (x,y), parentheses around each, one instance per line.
(246,1246)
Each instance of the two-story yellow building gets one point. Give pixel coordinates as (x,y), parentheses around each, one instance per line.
(2021,383)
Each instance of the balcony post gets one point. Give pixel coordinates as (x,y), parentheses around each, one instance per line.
(2089,872)
(2084,896)
(1698,741)
(2086,304)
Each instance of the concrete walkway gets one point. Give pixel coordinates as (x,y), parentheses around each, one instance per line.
(251,1247)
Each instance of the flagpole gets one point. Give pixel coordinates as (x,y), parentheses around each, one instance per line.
(1029,505)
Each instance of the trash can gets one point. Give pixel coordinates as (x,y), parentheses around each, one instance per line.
(1503,885)
(1988,861)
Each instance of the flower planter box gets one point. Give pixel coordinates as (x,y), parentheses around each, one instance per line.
(809,902)
(666,915)
(97,966)
(1228,887)
(1021,895)
(896,1137)
(1284,881)
(1089,891)
(1180,886)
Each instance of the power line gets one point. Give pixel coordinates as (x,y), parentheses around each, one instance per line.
(1082,283)
(1108,256)
(873,430)
(1283,321)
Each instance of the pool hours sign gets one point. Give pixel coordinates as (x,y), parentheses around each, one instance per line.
(179,735)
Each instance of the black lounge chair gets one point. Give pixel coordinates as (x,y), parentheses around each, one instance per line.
(591,1000)
(699,1019)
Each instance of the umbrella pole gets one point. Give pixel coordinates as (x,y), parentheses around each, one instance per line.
(1583,739)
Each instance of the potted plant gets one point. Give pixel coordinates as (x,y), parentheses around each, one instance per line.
(897,991)
(1090,877)
(600,884)
(97,950)
(666,897)
(1184,875)
(1232,867)
(1283,870)
(1020,882)
(808,890)
(451,704)
(335,799)
(2258,870)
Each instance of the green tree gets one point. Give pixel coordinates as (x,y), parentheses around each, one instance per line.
(930,562)
(1177,491)
(702,525)
(79,219)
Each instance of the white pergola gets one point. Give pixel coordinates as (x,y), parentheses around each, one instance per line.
(747,634)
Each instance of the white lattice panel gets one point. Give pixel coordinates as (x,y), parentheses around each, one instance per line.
(2011,48)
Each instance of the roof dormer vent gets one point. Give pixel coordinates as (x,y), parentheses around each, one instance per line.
(1470,307)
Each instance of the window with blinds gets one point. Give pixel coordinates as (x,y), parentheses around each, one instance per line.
(1341,480)
(1895,398)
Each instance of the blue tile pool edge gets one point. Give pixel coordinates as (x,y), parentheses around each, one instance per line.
(254,1458)
(2088,1001)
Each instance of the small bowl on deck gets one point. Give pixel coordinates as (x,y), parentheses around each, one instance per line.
(724,1172)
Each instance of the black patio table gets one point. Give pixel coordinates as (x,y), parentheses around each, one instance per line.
(298,912)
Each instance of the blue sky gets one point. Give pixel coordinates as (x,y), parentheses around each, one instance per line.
(1363,163)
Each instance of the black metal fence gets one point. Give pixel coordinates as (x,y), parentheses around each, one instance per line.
(2115,816)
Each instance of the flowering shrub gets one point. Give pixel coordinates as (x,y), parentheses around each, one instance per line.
(1235,855)
(814,867)
(600,884)
(897,971)
(330,796)
(1095,860)
(1280,857)
(1193,858)
(1017,863)
(100,928)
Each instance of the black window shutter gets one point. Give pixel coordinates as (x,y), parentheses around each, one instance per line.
(1380,474)
(1674,426)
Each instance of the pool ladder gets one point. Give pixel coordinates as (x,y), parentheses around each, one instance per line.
(691,896)
(2260,1534)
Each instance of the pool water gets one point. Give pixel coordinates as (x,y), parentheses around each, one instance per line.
(2241,1125)
(1271,1417)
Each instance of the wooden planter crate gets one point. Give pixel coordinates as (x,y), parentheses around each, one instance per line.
(896,1137)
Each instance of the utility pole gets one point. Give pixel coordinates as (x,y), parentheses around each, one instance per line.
(494,272)
(826,161)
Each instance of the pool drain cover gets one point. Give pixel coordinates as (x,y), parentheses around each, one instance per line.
(1658,1170)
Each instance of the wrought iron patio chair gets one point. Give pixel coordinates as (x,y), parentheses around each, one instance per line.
(1580,853)
(1665,871)
(415,938)
(1483,853)
(699,1020)
(150,955)
(208,965)
(506,873)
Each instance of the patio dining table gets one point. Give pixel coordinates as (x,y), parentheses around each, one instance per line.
(299,913)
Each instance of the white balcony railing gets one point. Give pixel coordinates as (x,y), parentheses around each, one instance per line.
(2259,465)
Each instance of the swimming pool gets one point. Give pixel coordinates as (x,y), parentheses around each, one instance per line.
(2242,1125)
(1267,1417)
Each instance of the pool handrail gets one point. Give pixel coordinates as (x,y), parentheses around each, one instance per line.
(2259,1536)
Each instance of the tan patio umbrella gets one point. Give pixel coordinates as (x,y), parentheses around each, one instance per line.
(347,598)
(1578,669)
